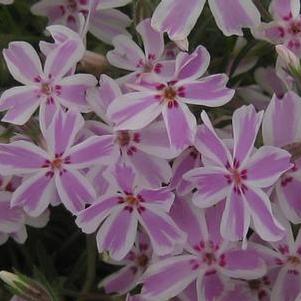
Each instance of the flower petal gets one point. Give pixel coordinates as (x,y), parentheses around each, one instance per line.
(126,54)
(63,58)
(232,16)
(180,124)
(108,24)
(244,264)
(210,91)
(93,150)
(35,194)
(152,40)
(21,103)
(74,190)
(73,91)
(167,278)
(21,157)
(266,166)
(246,123)
(134,111)
(210,145)
(61,133)
(286,110)
(162,231)
(176,17)
(236,218)
(283,9)
(23,62)
(265,224)
(91,218)
(118,233)
(211,183)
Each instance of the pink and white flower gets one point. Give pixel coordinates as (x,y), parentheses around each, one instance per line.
(239,178)
(285,29)
(208,262)
(48,88)
(55,173)
(170,98)
(116,216)
(105,22)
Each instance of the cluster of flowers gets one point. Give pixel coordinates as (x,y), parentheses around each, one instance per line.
(189,211)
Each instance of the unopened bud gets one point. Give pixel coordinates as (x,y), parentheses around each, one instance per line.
(290,60)
(24,287)
(94,63)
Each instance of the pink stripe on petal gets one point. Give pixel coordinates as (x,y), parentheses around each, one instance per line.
(118,233)
(108,24)
(74,190)
(286,110)
(91,218)
(168,278)
(211,183)
(265,224)
(126,54)
(163,232)
(266,166)
(283,9)
(23,62)
(21,157)
(122,281)
(11,219)
(236,219)
(245,264)
(289,199)
(287,285)
(177,17)
(190,221)
(61,133)
(161,198)
(125,177)
(93,150)
(246,123)
(180,124)
(35,194)
(21,103)
(63,58)
(210,145)
(211,287)
(210,91)
(232,16)
(134,110)
(152,40)
(73,91)
(153,170)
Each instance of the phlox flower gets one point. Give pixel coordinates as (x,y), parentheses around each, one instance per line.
(116,215)
(282,128)
(204,269)
(145,150)
(170,98)
(127,54)
(178,18)
(283,258)
(54,173)
(285,28)
(135,264)
(239,177)
(48,88)
(105,22)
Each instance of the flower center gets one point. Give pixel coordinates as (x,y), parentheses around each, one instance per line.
(170,93)
(295,28)
(46,89)
(142,260)
(57,163)
(255,284)
(72,5)
(123,138)
(294,260)
(132,200)
(209,258)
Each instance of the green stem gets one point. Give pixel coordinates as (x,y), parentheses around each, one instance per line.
(91,264)
(264,13)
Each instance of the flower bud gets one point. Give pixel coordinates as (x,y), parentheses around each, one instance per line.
(24,287)
(93,63)
(289,59)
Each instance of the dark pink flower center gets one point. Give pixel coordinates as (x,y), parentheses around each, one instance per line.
(132,201)
(237,177)
(72,5)
(294,260)
(56,164)
(142,260)
(295,28)
(46,89)
(123,138)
